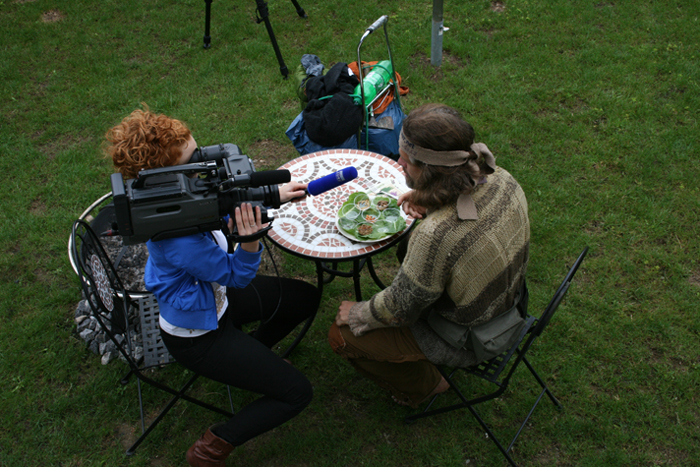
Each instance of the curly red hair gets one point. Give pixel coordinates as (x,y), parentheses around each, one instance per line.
(145,140)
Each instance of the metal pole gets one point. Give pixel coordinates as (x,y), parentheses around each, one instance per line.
(207,23)
(436,37)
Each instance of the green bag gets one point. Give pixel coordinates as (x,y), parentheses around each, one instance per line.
(301,77)
(494,337)
(486,340)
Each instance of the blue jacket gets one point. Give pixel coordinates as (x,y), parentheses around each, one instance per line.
(179,271)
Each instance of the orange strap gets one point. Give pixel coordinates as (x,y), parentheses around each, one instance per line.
(380,105)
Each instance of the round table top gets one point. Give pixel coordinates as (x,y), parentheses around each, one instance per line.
(308,228)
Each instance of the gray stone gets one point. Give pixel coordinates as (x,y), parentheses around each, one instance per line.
(106,358)
(83,308)
(101,338)
(138,354)
(107,347)
(87,334)
(84,324)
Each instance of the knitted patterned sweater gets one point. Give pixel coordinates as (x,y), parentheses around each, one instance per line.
(468,270)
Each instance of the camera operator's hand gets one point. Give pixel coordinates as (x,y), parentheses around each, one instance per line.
(292,191)
(248,223)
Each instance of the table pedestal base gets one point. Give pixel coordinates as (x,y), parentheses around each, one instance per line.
(357,265)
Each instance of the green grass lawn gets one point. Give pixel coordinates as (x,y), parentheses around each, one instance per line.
(592,105)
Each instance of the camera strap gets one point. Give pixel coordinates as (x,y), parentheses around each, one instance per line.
(249,238)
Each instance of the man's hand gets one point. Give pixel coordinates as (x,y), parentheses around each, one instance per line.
(341,319)
(413,210)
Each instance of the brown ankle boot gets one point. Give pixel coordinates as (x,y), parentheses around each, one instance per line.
(208,451)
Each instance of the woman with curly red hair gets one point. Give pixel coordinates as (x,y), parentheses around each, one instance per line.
(145,140)
(206,294)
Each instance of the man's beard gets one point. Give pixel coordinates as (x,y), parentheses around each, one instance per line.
(410,182)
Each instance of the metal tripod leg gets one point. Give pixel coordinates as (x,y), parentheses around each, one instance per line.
(300,10)
(264,16)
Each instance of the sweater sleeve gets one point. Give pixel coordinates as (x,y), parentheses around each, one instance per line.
(420,281)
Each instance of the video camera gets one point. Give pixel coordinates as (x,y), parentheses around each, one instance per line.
(186,199)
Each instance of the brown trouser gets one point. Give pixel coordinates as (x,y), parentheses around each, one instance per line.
(390,357)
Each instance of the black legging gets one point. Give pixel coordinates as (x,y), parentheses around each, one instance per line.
(232,357)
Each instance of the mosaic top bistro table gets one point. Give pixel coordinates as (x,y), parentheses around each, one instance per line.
(308,228)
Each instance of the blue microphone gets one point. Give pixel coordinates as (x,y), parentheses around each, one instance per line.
(323,184)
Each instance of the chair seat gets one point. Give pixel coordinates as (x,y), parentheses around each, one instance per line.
(491,370)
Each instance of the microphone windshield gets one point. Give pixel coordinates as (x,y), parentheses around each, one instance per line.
(323,184)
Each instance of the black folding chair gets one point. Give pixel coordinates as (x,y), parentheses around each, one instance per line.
(494,372)
(115,312)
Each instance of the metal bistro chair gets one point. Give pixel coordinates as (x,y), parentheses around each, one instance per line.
(494,370)
(111,305)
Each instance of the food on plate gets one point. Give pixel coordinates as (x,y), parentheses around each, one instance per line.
(364,229)
(381,202)
(366,218)
(360,200)
(371,215)
(363,203)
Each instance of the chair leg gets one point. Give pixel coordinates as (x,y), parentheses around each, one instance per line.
(544,386)
(545,390)
(125,379)
(230,399)
(493,437)
(177,395)
(469,404)
(163,413)
(522,425)
(143,416)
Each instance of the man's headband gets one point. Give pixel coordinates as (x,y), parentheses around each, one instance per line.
(446,158)
(430,157)
(466,209)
